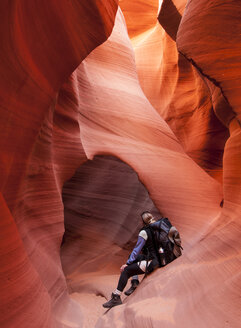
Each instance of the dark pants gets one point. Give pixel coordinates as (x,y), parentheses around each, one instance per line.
(129,271)
(134,269)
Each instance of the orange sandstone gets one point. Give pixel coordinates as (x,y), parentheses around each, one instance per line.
(162,118)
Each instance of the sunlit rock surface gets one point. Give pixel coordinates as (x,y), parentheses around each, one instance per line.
(178,91)
(124,130)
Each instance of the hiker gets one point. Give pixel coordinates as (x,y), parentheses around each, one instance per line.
(145,257)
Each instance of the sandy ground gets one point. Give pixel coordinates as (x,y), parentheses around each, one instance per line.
(91,306)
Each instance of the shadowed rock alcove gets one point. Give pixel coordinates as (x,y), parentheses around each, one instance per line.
(102,206)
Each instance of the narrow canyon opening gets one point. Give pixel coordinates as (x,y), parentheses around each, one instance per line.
(102,206)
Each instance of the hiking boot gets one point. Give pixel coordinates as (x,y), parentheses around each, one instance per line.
(115,300)
(134,284)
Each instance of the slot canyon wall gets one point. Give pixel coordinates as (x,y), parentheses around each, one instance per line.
(106,111)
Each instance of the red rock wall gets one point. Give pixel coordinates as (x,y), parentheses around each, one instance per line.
(53,121)
(40,47)
(139,16)
(198,77)
(221,65)
(178,91)
(102,206)
(115,118)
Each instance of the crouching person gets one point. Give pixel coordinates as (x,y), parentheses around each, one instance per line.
(143,259)
(158,244)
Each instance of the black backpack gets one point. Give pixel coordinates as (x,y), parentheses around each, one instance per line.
(166,240)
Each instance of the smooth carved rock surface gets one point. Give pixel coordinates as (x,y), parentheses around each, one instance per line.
(133,131)
(140,16)
(40,48)
(102,203)
(117,193)
(178,91)
(153,82)
(54,123)
(221,63)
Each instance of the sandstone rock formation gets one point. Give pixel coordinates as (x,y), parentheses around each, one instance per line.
(40,48)
(101,203)
(178,91)
(123,132)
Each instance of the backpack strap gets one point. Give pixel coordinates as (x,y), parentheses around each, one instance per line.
(155,246)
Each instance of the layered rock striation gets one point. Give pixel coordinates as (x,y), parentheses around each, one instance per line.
(42,42)
(179,92)
(124,125)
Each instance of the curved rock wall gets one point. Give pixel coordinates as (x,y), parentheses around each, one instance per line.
(40,47)
(102,206)
(139,15)
(117,119)
(102,201)
(222,66)
(178,91)
(169,123)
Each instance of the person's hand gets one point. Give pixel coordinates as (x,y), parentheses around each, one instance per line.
(122,268)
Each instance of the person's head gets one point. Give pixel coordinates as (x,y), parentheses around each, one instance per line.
(147,217)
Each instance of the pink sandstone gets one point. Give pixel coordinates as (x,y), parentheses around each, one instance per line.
(121,133)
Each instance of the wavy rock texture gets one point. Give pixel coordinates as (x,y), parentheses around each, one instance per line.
(40,48)
(140,16)
(131,130)
(223,67)
(167,76)
(151,133)
(102,203)
(178,91)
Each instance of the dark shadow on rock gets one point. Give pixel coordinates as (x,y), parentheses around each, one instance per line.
(169,18)
(102,206)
